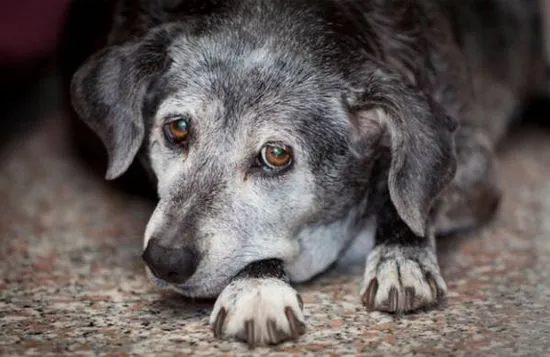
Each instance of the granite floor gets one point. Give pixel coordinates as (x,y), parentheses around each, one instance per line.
(72,281)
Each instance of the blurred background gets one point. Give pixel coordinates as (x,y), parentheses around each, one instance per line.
(42,43)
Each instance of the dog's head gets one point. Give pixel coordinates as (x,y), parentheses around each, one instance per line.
(252,145)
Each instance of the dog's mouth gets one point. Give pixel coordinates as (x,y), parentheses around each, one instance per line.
(159,283)
(204,284)
(197,286)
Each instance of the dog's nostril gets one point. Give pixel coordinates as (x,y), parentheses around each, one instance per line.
(171,265)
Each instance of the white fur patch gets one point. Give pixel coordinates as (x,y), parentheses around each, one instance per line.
(323,245)
(401,279)
(262,302)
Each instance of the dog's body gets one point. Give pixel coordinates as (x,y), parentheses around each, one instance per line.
(391,111)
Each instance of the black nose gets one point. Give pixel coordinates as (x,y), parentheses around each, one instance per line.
(171,265)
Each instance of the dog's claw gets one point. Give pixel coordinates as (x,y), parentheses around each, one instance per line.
(433,286)
(370,294)
(249,333)
(272,331)
(296,327)
(409,298)
(300,301)
(218,325)
(278,335)
(393,299)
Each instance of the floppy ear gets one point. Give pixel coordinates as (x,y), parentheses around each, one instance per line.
(420,135)
(108,91)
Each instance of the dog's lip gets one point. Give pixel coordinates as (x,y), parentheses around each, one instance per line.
(159,283)
(194,287)
(204,286)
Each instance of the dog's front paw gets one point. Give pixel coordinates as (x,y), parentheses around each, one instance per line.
(258,312)
(402,279)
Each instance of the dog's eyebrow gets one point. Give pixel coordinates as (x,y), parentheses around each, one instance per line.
(170,103)
(171,116)
(157,92)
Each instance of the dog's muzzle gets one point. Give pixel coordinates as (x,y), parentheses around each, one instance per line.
(172,265)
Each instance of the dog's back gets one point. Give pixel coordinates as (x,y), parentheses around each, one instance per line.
(500,39)
(504,48)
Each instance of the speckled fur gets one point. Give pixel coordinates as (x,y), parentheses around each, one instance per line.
(395,104)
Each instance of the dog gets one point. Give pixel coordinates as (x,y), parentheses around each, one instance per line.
(280,132)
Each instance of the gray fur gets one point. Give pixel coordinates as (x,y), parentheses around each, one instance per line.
(393,110)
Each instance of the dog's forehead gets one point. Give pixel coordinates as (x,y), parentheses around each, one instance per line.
(246,75)
(257,89)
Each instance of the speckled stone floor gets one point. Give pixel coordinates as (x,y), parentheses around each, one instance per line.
(72,281)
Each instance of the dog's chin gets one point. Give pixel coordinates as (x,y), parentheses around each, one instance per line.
(195,288)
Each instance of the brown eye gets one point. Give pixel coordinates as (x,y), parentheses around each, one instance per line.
(177,131)
(276,157)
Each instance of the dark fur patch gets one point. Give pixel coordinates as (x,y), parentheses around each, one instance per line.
(264,269)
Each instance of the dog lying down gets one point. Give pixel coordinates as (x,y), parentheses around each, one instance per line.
(280,132)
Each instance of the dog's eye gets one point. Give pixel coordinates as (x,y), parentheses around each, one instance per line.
(177,131)
(276,157)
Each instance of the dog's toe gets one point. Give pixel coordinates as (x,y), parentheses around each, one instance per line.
(402,279)
(258,312)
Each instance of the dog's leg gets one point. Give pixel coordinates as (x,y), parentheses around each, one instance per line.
(402,273)
(473,196)
(259,306)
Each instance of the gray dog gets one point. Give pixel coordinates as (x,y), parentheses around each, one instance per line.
(281,132)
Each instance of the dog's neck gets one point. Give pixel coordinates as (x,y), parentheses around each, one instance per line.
(322,245)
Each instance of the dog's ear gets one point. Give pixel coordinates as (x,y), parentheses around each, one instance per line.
(419,134)
(108,91)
